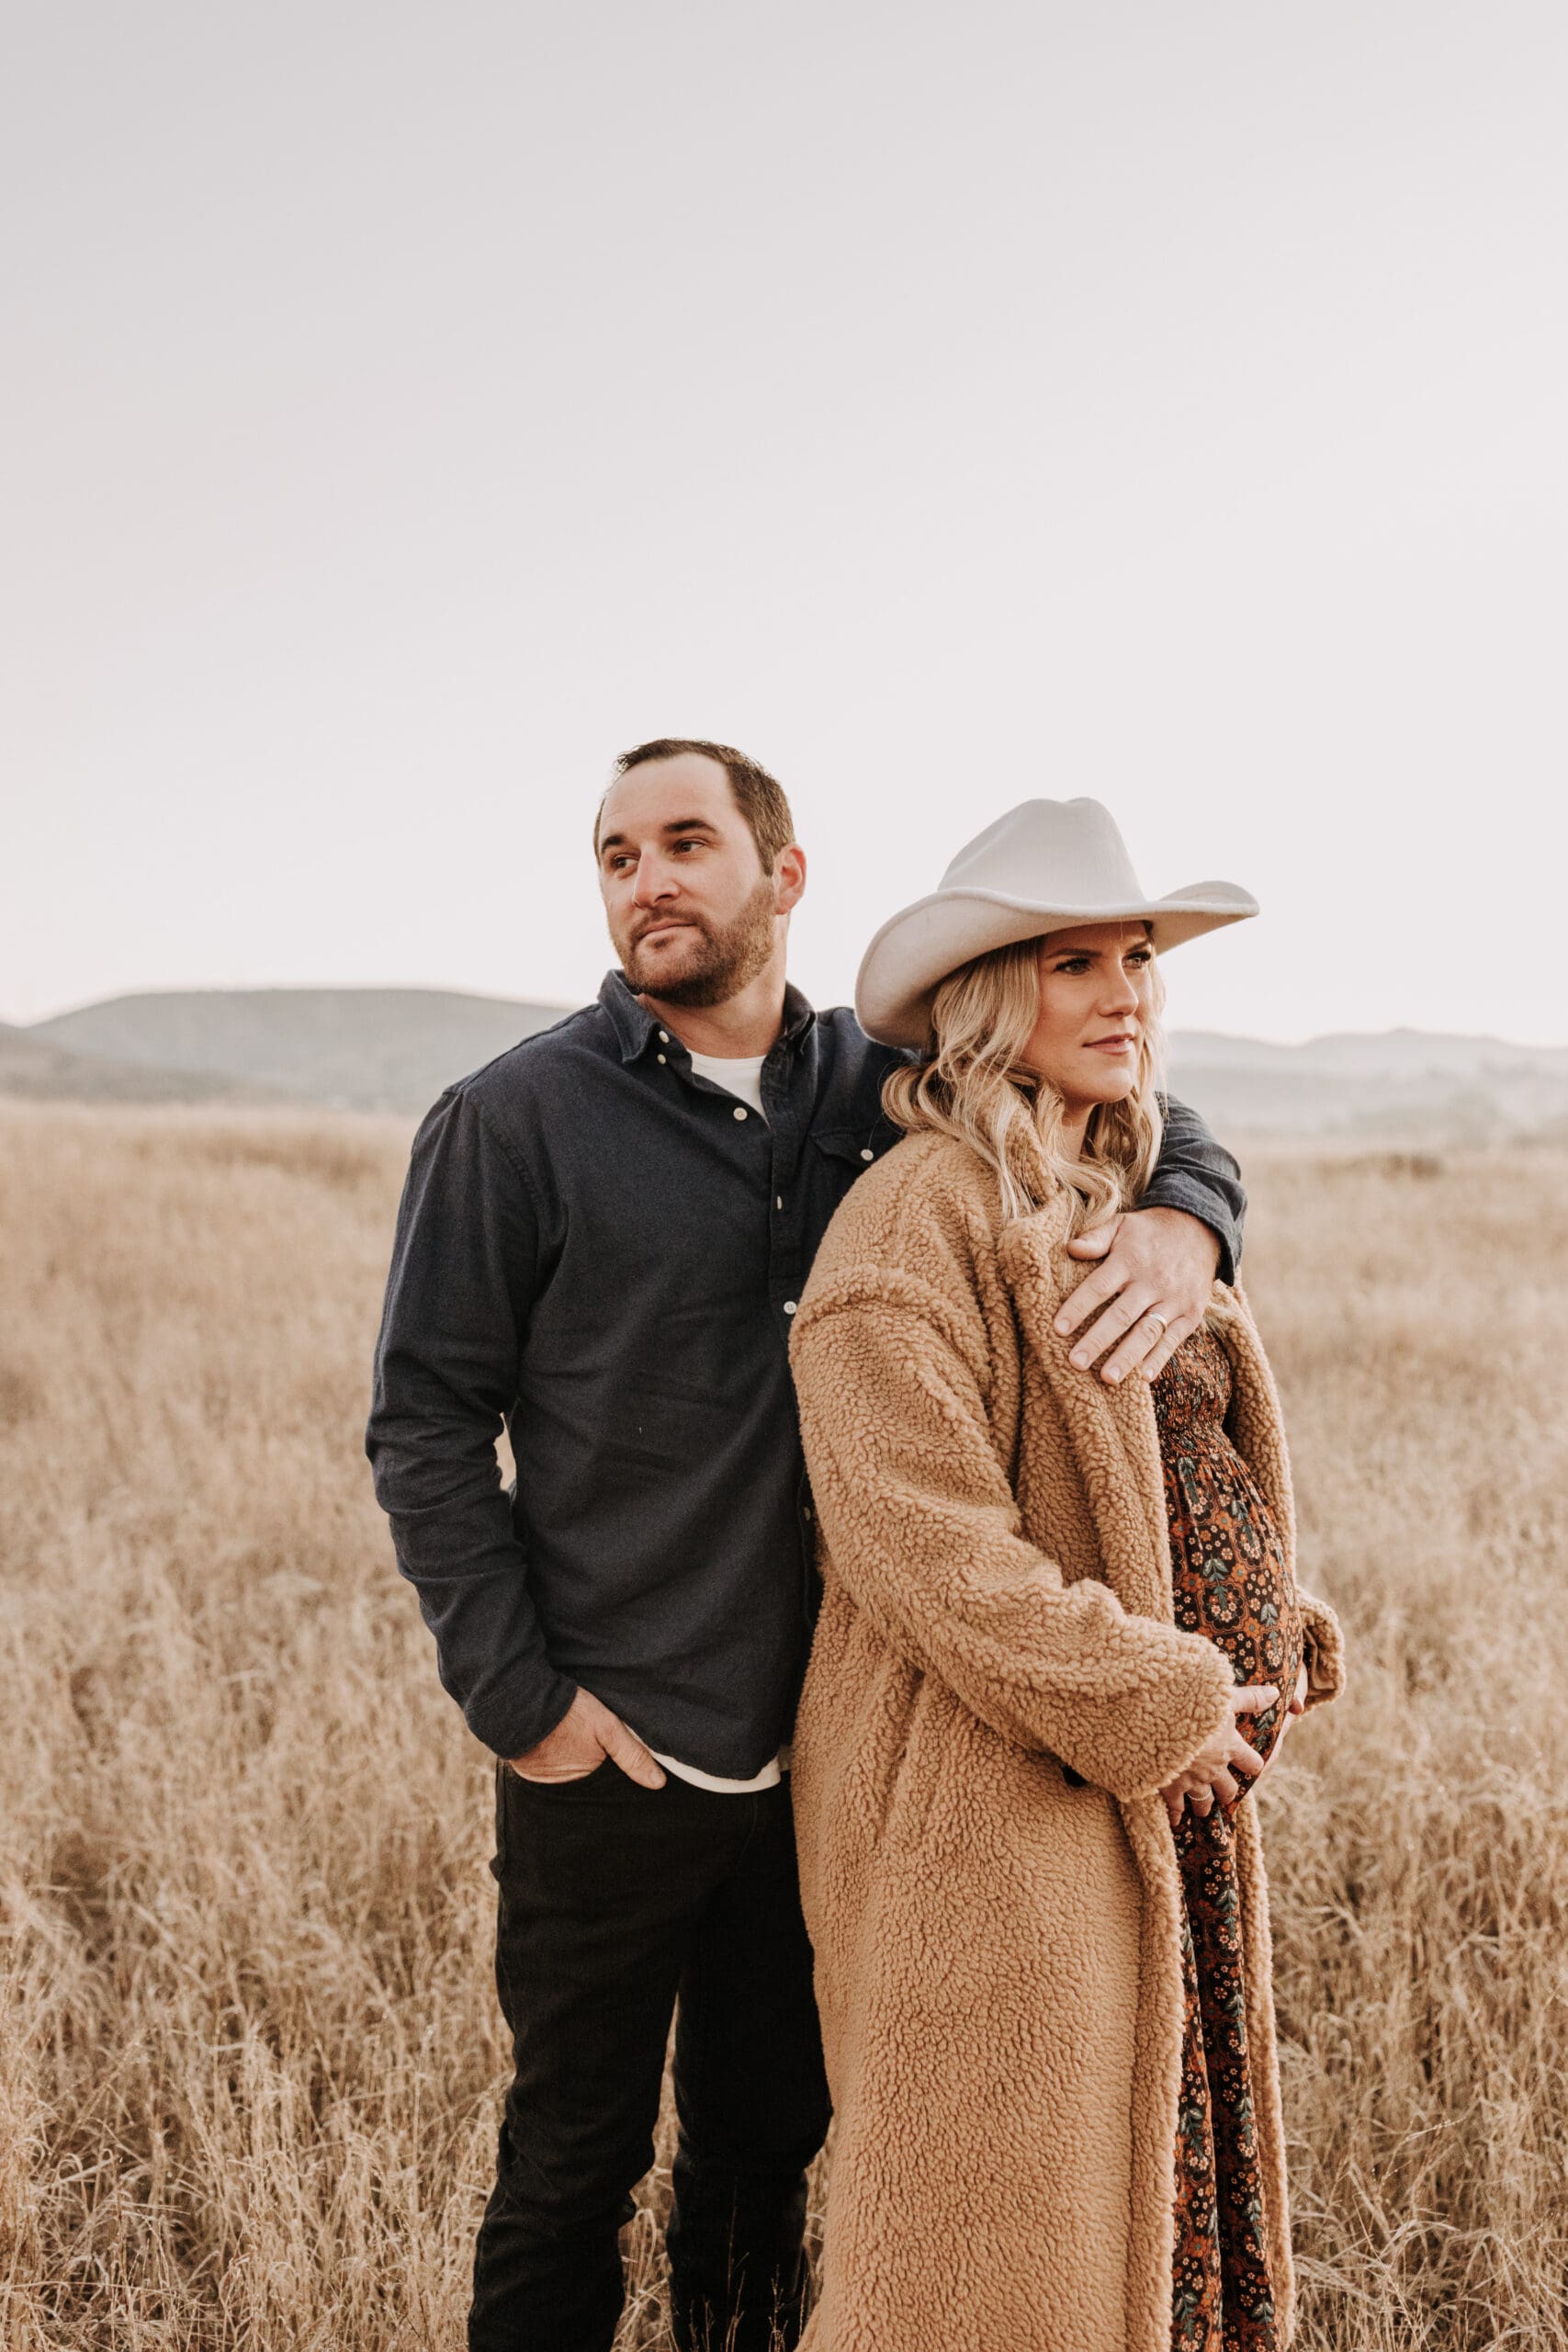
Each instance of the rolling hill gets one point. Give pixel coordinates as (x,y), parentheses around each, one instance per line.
(362,1049)
(1404,1085)
(37,1069)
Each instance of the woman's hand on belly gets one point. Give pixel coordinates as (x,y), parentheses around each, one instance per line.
(1296,1706)
(1212,1773)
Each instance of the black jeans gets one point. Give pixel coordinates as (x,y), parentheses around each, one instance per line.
(615,1900)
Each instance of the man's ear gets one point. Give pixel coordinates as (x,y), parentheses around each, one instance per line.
(789,878)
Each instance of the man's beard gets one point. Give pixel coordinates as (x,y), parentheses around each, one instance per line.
(714,965)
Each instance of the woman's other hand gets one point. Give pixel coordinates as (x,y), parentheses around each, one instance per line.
(1297,1706)
(1212,1773)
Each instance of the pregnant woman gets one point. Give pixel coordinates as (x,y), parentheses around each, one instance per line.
(1060,1635)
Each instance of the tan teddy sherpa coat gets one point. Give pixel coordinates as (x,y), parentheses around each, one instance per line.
(998,1951)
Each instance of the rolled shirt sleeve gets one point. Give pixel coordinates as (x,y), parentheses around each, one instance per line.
(1196,1174)
(464,1266)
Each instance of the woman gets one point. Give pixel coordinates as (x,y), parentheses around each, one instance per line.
(1059,1631)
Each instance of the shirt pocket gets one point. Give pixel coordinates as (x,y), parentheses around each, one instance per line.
(850,1151)
(666,1428)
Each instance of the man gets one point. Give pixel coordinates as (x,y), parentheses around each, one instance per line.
(601,1241)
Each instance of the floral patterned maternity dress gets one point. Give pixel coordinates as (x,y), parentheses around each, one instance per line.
(1231,1583)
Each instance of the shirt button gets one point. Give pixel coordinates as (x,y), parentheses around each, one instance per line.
(789,1306)
(664,1057)
(663,1039)
(740,1113)
(865,1155)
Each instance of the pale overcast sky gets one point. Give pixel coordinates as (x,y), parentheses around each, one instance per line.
(408,406)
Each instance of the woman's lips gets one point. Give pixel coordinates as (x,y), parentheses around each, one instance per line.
(1112,1045)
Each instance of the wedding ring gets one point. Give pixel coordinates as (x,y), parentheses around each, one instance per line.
(1159,1319)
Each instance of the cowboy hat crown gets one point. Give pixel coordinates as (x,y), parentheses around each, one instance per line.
(1043,866)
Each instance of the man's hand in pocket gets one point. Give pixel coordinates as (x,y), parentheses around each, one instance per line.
(586,1734)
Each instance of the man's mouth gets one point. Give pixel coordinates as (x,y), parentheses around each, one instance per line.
(660,931)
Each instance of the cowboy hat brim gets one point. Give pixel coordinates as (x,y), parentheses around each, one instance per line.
(916,948)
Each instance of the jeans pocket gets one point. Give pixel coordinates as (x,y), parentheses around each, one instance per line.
(606,1772)
(512,1791)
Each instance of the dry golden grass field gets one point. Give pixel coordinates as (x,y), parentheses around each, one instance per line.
(249,2057)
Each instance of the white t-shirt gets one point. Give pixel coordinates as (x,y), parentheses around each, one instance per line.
(769,1776)
(743,1078)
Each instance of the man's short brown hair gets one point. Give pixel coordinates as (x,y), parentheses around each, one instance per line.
(759,798)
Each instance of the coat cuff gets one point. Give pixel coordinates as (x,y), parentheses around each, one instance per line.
(1135,1744)
(1324,1650)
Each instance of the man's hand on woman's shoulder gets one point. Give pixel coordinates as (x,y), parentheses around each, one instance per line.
(1150,1290)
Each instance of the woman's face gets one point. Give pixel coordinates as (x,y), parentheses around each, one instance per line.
(1096,997)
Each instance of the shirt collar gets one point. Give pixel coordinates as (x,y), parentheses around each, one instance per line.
(636,1027)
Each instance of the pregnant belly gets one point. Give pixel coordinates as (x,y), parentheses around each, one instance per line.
(1269,1647)
(1230,1583)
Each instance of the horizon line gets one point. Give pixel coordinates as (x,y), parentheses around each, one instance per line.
(564,1005)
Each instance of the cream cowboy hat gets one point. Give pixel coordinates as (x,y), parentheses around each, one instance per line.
(1046,865)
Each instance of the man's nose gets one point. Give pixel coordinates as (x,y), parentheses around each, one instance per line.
(655,880)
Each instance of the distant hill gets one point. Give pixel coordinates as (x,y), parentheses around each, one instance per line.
(1406,1085)
(363,1049)
(34,1067)
(394,1049)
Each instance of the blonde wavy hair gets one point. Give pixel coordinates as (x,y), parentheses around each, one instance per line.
(973,1085)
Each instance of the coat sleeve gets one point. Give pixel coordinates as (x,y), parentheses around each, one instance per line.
(922,1528)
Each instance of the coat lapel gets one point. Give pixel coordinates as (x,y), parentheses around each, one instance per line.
(1255,1421)
(1112,1430)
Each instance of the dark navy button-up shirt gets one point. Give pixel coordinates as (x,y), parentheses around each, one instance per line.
(602,1250)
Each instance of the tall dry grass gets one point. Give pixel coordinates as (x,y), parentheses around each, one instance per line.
(250,2056)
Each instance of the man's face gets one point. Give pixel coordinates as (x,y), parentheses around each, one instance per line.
(693,917)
